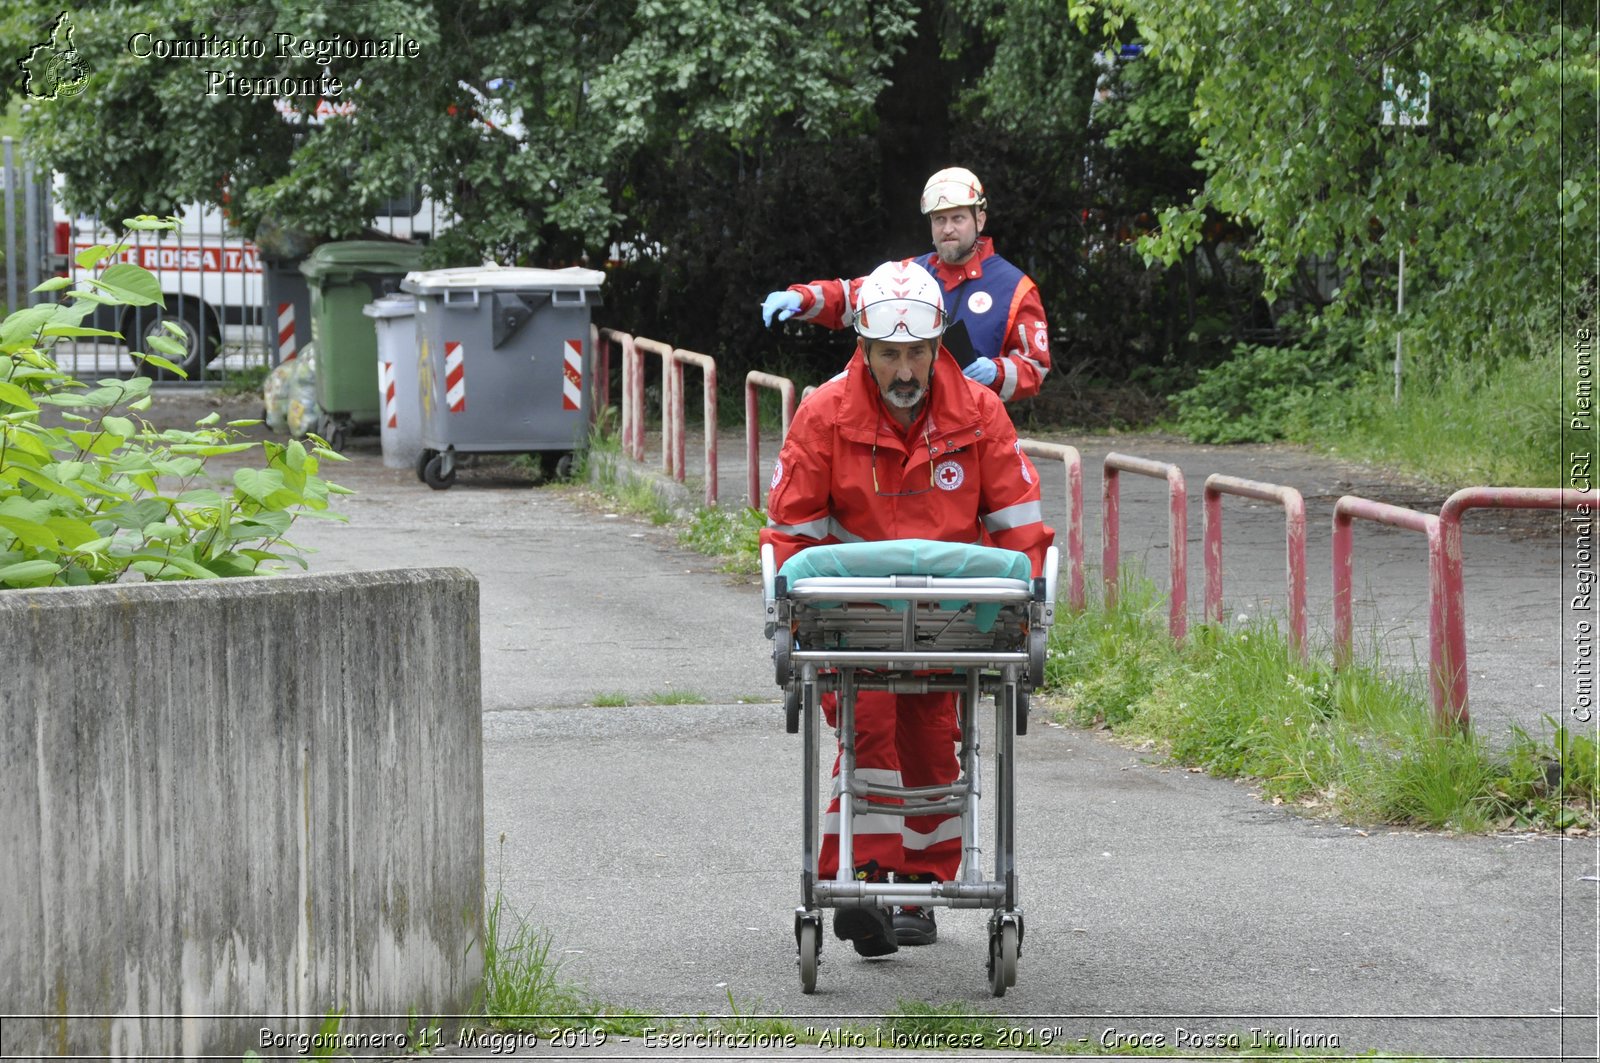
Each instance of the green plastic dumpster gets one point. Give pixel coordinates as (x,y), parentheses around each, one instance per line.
(345,276)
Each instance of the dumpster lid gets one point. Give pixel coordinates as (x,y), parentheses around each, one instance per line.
(345,258)
(500,278)
(395,304)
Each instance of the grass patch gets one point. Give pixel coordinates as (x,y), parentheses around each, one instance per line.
(1353,743)
(1478,413)
(617,700)
(244,383)
(1466,422)
(732,535)
(522,985)
(729,535)
(677,697)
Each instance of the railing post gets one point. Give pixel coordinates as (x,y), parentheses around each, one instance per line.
(1454,597)
(1352,507)
(663,351)
(1294,517)
(1177,531)
(708,371)
(752,425)
(1110,527)
(1072,462)
(603,338)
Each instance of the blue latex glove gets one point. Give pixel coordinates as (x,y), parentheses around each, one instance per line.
(780,306)
(982,370)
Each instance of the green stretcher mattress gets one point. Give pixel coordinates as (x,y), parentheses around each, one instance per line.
(914,557)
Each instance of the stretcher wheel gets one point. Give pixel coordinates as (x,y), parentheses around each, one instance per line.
(1003,944)
(810,942)
(791,710)
(782,642)
(1024,700)
(1038,651)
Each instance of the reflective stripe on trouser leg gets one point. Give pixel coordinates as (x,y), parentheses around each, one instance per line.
(877,837)
(926,746)
(901,740)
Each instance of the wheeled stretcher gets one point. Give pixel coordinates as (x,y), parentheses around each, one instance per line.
(910,616)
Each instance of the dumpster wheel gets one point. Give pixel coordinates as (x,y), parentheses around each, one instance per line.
(437,474)
(556,464)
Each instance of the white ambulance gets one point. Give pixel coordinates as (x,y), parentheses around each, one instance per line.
(212,279)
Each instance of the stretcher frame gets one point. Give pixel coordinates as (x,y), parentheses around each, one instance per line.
(839,634)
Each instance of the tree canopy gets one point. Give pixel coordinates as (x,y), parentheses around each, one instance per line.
(720,148)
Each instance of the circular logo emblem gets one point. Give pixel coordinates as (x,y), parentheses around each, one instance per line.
(979,302)
(1027,473)
(949,475)
(777,473)
(1041,341)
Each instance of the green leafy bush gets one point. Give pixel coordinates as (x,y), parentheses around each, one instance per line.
(1262,393)
(103,495)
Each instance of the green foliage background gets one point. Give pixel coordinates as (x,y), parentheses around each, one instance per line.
(1227,190)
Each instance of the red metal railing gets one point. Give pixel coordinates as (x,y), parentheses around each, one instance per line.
(1454,657)
(708,370)
(601,340)
(1177,531)
(752,425)
(1073,465)
(1294,520)
(633,402)
(1345,512)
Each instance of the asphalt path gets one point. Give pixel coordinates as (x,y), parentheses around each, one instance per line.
(658,843)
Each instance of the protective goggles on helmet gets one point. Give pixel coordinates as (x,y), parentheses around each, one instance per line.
(953,187)
(900,321)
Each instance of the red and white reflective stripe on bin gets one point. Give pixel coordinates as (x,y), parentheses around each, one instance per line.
(287,348)
(572,375)
(455,378)
(391,406)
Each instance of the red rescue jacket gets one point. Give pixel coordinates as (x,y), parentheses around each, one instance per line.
(957,475)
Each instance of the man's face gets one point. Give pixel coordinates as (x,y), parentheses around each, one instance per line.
(955,231)
(901,370)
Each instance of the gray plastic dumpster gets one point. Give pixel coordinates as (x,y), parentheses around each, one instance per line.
(504,361)
(399,411)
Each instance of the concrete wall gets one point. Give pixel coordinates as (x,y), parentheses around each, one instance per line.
(231,801)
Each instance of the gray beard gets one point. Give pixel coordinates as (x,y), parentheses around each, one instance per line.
(905,400)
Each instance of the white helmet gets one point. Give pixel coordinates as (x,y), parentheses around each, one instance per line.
(953,187)
(899,302)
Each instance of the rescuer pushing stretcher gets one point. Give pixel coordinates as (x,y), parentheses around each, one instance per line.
(907,571)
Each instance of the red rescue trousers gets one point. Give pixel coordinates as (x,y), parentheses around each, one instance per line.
(901,740)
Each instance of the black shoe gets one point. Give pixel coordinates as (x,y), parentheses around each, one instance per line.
(870,930)
(915,926)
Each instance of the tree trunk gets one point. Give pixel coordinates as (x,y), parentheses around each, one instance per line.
(913,114)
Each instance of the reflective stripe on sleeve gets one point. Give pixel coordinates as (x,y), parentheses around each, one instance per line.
(843,534)
(816,303)
(811,529)
(1023,513)
(818,529)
